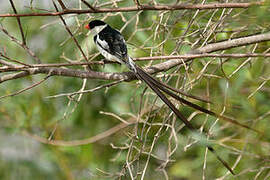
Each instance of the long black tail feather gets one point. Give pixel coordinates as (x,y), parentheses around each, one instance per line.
(182,100)
(150,82)
(164,99)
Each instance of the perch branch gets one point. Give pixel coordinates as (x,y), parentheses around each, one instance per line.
(141,7)
(128,76)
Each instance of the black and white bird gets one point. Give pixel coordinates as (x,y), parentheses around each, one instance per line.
(112,46)
(110,43)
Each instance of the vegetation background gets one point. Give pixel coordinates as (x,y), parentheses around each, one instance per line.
(154,145)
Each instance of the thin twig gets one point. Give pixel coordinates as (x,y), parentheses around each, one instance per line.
(152,58)
(86,91)
(25,89)
(19,22)
(63,6)
(24,46)
(260,86)
(70,33)
(90,140)
(13,60)
(138,4)
(144,7)
(89,5)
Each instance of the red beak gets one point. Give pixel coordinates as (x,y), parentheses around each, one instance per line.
(87,26)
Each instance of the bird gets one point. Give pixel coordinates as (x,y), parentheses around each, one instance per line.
(111,44)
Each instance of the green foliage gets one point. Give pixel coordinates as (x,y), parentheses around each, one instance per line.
(231,85)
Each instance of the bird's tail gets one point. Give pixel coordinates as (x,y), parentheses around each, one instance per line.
(149,80)
(157,88)
(160,88)
(142,75)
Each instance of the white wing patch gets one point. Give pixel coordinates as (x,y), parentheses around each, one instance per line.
(102,43)
(103,46)
(107,55)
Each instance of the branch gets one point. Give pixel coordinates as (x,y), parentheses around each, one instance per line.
(128,76)
(27,88)
(212,48)
(90,140)
(9,67)
(86,91)
(24,46)
(192,56)
(233,43)
(19,22)
(89,5)
(69,31)
(70,73)
(144,7)
(62,5)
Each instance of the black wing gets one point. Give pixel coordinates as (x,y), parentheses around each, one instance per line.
(116,44)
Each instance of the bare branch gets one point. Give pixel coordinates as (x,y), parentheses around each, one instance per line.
(86,91)
(19,22)
(24,46)
(252,39)
(144,7)
(13,60)
(70,33)
(13,76)
(152,58)
(71,73)
(89,5)
(138,4)
(128,76)
(27,88)
(90,140)
(212,48)
(62,4)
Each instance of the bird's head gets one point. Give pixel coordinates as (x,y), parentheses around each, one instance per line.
(95,26)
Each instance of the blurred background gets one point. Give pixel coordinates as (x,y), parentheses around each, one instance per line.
(237,87)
